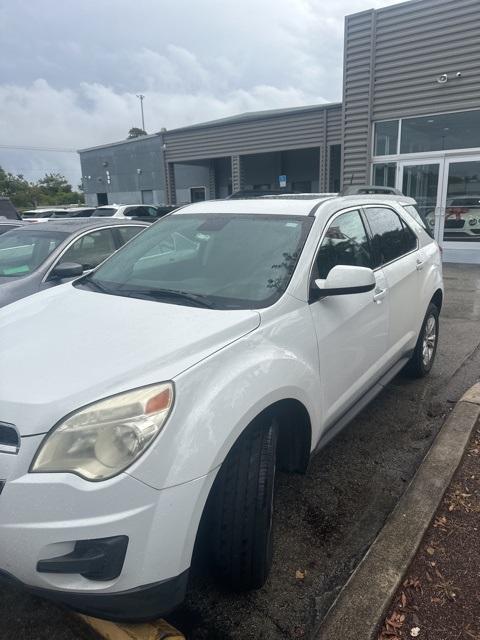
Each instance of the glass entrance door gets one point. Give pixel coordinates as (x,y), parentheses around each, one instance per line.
(460,223)
(422,181)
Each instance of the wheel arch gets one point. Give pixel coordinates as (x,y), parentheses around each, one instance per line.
(437,299)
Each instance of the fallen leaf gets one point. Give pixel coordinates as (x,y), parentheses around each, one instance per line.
(300,575)
(430,551)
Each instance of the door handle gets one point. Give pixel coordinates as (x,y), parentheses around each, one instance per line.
(379,295)
(420,264)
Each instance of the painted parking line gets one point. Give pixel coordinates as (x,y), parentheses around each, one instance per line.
(156,630)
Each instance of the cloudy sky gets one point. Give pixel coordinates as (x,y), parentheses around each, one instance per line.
(70,71)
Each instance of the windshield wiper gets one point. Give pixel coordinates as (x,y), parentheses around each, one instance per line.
(88,283)
(194,299)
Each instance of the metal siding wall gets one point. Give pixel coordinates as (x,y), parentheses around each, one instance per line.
(357,96)
(418,42)
(294,131)
(393,57)
(123,161)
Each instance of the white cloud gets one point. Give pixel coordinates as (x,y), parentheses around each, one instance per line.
(70,80)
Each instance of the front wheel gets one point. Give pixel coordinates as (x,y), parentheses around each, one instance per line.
(241,525)
(421,362)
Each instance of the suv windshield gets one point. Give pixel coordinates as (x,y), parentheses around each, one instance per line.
(213,260)
(23,251)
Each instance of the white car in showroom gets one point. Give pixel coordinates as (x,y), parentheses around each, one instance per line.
(230,339)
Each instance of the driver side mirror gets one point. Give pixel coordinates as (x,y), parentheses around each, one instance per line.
(66,270)
(343,280)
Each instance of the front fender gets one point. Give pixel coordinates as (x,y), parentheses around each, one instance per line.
(217,399)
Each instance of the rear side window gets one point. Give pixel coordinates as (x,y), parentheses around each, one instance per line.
(345,243)
(127,233)
(392,238)
(416,215)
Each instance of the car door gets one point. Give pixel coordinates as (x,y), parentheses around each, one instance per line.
(396,251)
(351,329)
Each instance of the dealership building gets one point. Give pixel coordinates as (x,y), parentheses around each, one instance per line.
(410,119)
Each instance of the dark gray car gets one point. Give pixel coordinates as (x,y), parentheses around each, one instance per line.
(39,256)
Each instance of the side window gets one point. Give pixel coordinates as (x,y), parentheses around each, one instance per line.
(92,249)
(134,211)
(345,243)
(423,221)
(392,238)
(127,233)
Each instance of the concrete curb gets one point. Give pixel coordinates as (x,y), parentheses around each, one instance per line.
(157,630)
(365,598)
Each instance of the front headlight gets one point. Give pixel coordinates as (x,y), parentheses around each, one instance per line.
(104,438)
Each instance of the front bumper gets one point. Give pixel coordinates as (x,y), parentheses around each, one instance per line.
(135,605)
(45,516)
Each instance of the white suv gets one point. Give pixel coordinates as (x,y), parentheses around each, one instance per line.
(229,339)
(125,211)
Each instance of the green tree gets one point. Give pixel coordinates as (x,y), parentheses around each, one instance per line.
(136,132)
(53,189)
(17,188)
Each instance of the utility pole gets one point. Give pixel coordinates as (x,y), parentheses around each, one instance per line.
(141,97)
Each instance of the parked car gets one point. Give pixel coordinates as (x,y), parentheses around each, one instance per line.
(144,212)
(41,215)
(462,218)
(6,224)
(37,257)
(229,339)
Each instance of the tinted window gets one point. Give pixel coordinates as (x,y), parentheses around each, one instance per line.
(91,249)
(127,233)
(345,243)
(391,237)
(105,212)
(23,251)
(419,218)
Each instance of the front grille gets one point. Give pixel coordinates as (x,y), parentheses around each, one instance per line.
(9,438)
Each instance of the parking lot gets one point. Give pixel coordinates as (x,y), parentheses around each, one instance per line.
(326,520)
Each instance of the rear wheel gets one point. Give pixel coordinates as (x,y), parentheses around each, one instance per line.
(421,362)
(241,511)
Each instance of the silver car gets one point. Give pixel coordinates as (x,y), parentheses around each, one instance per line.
(37,257)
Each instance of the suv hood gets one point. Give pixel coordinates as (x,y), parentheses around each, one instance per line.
(64,348)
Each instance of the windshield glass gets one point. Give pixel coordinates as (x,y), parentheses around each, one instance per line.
(222,261)
(104,211)
(21,252)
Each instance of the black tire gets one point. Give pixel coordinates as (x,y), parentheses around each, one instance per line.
(241,512)
(419,365)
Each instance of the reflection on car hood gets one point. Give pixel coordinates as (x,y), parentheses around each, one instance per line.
(65,347)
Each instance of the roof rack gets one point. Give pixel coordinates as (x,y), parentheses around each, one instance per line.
(369,189)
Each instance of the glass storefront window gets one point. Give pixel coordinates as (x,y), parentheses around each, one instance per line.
(462,214)
(421,182)
(384,174)
(441,132)
(386,138)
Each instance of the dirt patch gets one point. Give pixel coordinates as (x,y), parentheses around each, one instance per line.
(440,596)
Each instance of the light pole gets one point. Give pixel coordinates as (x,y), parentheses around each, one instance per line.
(141,97)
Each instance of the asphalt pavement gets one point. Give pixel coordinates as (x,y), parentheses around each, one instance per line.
(326,520)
